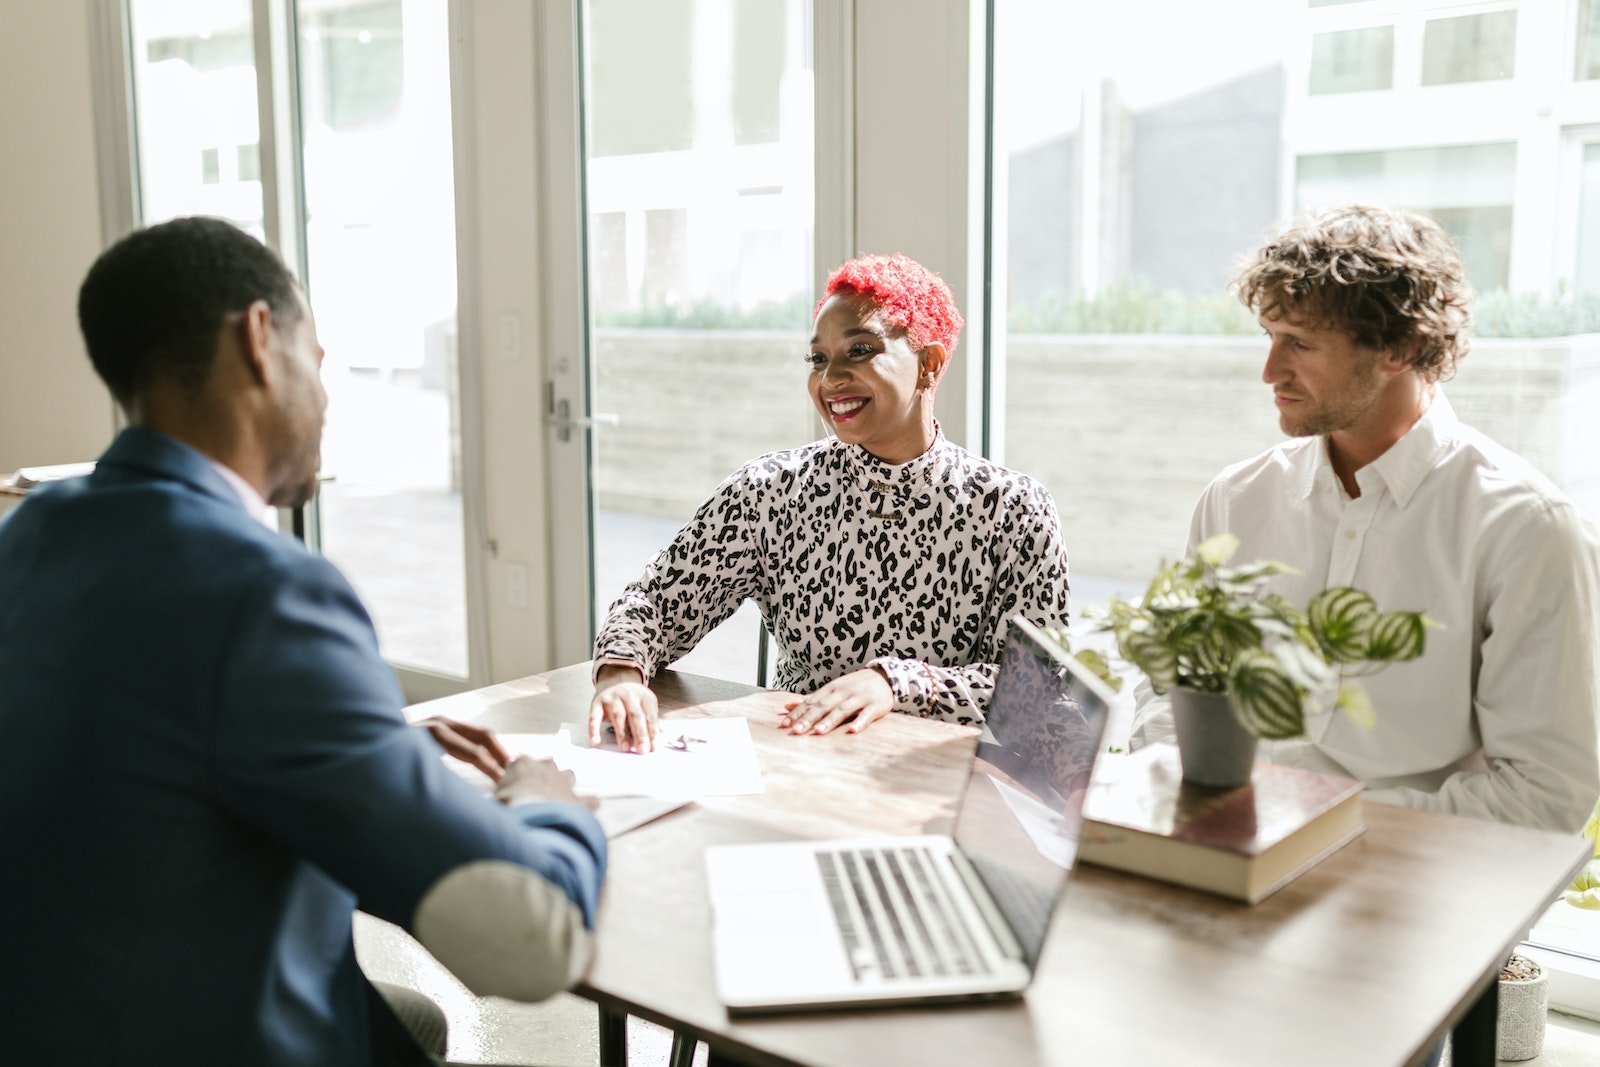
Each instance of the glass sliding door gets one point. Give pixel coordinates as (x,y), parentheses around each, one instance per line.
(195,114)
(698,178)
(368,195)
(374,91)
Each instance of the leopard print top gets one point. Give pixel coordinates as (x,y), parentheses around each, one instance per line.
(913,568)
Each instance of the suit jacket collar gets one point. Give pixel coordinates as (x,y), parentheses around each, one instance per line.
(167,458)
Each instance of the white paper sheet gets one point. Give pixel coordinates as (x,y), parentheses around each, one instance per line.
(616,815)
(718,760)
(538,746)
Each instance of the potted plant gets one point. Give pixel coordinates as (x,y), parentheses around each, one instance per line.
(1241,663)
(1524,1004)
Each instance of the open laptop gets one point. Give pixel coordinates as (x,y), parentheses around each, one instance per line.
(812,924)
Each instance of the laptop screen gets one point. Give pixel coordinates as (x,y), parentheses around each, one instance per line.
(1020,813)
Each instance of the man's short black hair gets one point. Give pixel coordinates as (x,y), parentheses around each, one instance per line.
(153,303)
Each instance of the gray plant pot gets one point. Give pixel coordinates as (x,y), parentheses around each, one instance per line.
(1214,749)
(1523,1008)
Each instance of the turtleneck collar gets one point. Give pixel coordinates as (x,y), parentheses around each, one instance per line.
(899,475)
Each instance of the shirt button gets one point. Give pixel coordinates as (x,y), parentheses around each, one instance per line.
(1349,535)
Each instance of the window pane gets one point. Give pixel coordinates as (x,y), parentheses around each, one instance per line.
(1467,189)
(641,92)
(1132,176)
(757,69)
(380,243)
(1588,272)
(1472,48)
(1587,67)
(699,187)
(1349,61)
(194,89)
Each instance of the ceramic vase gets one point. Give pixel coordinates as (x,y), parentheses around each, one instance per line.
(1523,1007)
(1214,749)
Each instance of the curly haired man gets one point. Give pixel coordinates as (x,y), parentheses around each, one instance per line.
(1381,487)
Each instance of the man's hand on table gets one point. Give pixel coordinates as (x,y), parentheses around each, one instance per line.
(529,779)
(860,698)
(622,699)
(473,745)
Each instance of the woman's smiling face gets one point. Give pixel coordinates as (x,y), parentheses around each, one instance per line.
(866,381)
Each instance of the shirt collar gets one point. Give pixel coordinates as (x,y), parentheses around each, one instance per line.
(1408,461)
(1401,469)
(248,497)
(916,469)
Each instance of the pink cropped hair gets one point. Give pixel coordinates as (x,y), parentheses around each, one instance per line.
(911,297)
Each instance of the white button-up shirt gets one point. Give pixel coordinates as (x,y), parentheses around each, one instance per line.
(1497,719)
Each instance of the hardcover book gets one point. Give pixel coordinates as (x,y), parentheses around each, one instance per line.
(1245,843)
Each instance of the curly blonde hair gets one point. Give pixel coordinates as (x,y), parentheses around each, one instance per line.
(1392,280)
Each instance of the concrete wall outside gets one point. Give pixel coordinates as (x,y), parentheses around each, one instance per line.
(1125,431)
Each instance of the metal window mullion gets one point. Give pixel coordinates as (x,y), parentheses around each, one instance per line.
(282,178)
(474,496)
(278,110)
(116,148)
(833,79)
(834,156)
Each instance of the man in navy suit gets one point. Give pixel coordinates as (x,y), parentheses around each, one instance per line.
(204,768)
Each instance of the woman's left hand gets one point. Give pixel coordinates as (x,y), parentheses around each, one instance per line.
(860,698)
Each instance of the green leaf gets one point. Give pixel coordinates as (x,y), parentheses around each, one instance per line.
(1340,619)
(1236,634)
(1305,667)
(1155,659)
(1265,700)
(1101,668)
(1585,889)
(1215,551)
(1357,706)
(1397,636)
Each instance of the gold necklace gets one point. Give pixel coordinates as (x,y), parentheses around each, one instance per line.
(885,489)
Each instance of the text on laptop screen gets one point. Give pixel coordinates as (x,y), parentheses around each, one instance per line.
(1019,818)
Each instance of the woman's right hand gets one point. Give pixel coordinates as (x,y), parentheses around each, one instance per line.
(622,699)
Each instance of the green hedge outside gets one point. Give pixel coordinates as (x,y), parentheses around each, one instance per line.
(1133,308)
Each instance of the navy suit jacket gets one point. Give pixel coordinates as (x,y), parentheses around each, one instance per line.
(203,771)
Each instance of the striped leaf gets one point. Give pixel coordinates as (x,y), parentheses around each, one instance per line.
(1396,636)
(1265,700)
(1340,619)
(1151,655)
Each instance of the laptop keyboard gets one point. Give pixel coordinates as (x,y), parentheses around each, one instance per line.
(895,916)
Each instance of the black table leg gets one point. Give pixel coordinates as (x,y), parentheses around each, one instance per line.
(613,1038)
(683,1047)
(1472,1042)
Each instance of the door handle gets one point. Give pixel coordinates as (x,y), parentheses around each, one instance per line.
(564,421)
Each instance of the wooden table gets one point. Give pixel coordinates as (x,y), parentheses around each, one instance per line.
(1368,959)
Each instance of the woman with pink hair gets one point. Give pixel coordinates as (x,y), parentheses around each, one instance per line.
(886,561)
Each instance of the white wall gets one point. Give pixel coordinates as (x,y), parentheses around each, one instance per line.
(919,164)
(52,407)
(500,177)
